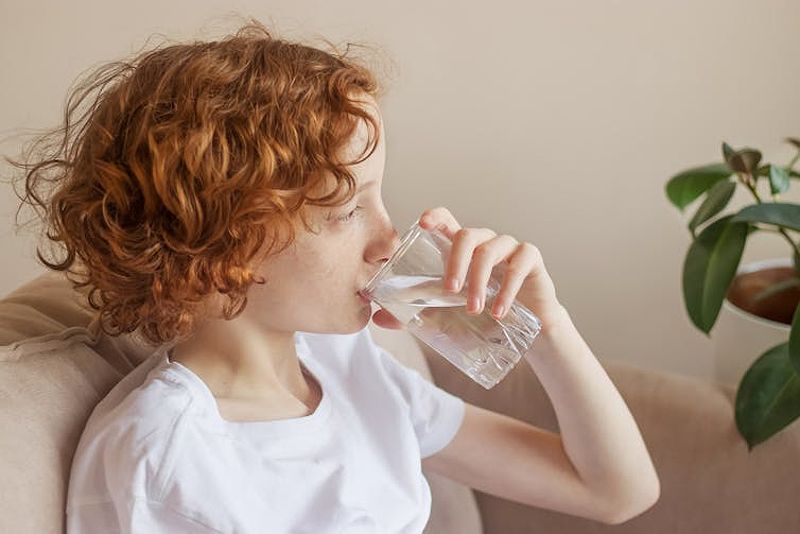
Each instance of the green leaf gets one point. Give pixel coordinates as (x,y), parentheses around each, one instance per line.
(715,201)
(727,152)
(765,170)
(744,160)
(768,398)
(785,214)
(683,188)
(709,268)
(794,340)
(778,179)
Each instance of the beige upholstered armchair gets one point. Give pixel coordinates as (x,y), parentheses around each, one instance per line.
(709,482)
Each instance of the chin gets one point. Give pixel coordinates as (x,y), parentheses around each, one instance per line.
(357,322)
(362,322)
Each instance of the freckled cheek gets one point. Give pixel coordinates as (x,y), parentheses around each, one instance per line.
(333,270)
(322,272)
(338,282)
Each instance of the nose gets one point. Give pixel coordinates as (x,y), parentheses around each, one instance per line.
(393,243)
(383,245)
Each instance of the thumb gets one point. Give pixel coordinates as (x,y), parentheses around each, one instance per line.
(384,319)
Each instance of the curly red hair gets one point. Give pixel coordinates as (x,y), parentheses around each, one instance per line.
(193,163)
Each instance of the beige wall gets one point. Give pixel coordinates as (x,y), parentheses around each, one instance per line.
(558,122)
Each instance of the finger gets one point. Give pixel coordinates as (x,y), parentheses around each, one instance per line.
(484,258)
(522,262)
(441,219)
(464,243)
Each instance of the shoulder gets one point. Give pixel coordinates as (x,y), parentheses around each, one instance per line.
(128,446)
(361,363)
(155,405)
(341,345)
(339,353)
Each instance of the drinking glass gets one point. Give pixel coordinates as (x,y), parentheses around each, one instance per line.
(410,286)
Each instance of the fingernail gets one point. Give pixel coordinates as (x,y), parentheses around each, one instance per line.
(474,303)
(499,310)
(452,284)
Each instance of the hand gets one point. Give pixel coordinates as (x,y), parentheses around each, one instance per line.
(475,253)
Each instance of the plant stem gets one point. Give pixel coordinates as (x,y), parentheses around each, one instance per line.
(794,160)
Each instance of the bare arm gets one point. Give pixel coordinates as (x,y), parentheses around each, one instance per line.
(597,468)
(598,431)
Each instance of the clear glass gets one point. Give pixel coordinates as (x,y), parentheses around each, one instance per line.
(410,286)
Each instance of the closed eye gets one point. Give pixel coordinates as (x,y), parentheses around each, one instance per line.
(349,216)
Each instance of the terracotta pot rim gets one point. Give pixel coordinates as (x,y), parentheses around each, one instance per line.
(749,268)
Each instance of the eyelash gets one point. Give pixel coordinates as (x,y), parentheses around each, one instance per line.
(346,218)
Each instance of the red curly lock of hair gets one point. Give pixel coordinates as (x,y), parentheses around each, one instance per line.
(193,163)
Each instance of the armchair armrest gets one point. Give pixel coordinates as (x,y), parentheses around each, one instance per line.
(709,481)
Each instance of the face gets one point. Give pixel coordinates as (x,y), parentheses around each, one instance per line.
(312,285)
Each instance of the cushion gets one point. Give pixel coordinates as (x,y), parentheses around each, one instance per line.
(48,386)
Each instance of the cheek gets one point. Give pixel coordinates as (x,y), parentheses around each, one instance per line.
(329,265)
(335,274)
(319,273)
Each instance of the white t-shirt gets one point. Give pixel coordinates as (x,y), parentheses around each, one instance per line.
(156,456)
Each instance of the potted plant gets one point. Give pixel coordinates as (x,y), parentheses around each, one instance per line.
(768,396)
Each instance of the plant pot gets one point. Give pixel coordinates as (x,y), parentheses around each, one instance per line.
(744,329)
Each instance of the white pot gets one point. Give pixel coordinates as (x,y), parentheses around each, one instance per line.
(740,337)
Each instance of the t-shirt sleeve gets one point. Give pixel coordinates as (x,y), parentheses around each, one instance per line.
(436,414)
(131,516)
(118,480)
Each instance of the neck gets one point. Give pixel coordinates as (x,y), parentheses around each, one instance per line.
(237,361)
